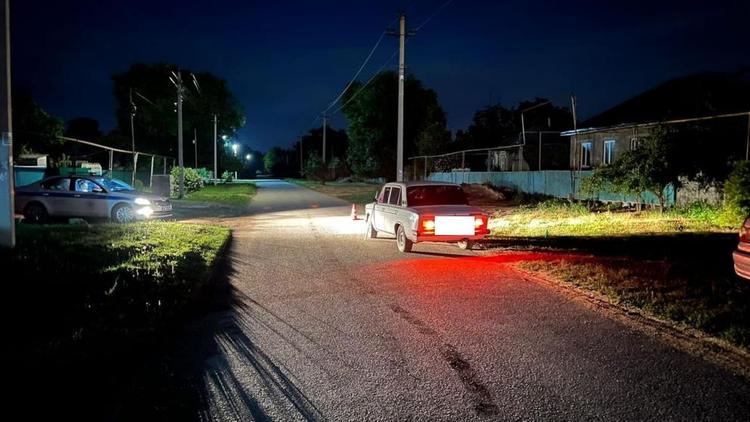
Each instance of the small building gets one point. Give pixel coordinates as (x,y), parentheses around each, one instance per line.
(702,97)
(593,147)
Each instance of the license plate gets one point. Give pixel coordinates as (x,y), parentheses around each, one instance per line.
(454,225)
(167,208)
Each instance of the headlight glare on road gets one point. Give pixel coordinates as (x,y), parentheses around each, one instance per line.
(142,201)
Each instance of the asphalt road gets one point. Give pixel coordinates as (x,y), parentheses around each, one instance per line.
(325,325)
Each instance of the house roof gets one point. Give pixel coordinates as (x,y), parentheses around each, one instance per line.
(688,98)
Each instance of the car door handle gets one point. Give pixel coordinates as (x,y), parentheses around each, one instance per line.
(76,196)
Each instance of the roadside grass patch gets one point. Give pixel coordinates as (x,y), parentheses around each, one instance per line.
(229,194)
(561,218)
(717,305)
(352,192)
(83,284)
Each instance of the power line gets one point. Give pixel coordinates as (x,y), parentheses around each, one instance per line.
(356,75)
(439,9)
(387,62)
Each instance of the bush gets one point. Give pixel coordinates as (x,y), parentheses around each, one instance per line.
(737,192)
(205,174)
(315,168)
(193,180)
(227,176)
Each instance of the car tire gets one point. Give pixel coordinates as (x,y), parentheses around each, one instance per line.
(403,242)
(35,213)
(370,232)
(123,213)
(465,244)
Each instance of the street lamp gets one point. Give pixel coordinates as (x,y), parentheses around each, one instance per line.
(248,157)
(235,148)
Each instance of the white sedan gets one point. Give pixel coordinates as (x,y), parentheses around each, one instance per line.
(425,212)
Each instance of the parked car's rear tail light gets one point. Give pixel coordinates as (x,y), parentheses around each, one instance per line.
(480,224)
(426,225)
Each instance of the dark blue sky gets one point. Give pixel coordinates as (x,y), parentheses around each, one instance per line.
(285,60)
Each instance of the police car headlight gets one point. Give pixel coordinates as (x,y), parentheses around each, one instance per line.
(142,201)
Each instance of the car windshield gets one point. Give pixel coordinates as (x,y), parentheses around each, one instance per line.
(435,195)
(114,185)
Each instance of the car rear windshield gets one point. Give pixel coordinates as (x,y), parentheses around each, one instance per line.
(417,196)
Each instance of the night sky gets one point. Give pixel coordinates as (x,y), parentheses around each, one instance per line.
(285,60)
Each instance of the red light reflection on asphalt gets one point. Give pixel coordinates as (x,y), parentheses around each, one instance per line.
(463,270)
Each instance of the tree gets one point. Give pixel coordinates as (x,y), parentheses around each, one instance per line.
(272,160)
(337,143)
(84,128)
(35,131)
(651,167)
(372,116)
(155,120)
(495,125)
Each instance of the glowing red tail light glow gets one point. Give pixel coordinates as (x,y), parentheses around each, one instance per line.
(426,225)
(480,224)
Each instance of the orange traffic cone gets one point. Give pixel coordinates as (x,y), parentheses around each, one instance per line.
(354,212)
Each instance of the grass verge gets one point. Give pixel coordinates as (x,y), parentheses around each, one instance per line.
(91,304)
(111,282)
(228,194)
(559,218)
(717,305)
(353,192)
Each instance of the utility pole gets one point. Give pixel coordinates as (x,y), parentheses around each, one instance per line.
(402,34)
(195,146)
(325,125)
(573,148)
(301,160)
(216,140)
(132,135)
(7,179)
(176,79)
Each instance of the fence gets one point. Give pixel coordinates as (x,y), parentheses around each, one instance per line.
(534,150)
(557,183)
(117,163)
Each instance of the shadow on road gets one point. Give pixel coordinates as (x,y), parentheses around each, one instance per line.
(201,371)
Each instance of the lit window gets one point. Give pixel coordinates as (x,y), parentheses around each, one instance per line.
(609,151)
(586,154)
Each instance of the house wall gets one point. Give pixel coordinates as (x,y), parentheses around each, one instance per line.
(622,138)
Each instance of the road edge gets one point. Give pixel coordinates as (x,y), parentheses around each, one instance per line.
(689,340)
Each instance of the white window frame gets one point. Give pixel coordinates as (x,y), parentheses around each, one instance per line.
(586,145)
(609,151)
(634,142)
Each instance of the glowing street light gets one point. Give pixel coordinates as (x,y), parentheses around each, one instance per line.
(248,157)
(235,148)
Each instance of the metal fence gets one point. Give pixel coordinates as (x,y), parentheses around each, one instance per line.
(541,150)
(142,166)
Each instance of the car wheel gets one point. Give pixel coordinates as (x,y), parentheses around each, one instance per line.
(465,244)
(403,242)
(370,232)
(123,213)
(35,213)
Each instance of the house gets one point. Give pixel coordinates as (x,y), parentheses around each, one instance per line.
(718,101)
